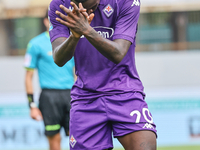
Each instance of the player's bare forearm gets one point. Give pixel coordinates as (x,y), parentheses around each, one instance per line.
(29,82)
(113,50)
(79,22)
(63,49)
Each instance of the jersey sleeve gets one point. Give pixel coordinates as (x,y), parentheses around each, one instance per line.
(126,24)
(56,29)
(31,56)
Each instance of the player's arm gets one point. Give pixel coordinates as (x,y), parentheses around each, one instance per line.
(34,111)
(113,50)
(63,49)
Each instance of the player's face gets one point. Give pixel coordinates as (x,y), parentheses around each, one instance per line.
(90,4)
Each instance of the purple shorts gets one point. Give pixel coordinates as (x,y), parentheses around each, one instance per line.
(92,122)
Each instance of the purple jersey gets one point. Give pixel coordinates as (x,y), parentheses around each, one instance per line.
(96,75)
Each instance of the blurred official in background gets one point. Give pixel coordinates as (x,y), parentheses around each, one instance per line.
(55,82)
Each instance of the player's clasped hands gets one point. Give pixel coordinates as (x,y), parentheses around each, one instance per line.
(78,20)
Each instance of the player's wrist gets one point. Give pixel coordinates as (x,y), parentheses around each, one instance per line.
(88,31)
(32,105)
(31,102)
(75,36)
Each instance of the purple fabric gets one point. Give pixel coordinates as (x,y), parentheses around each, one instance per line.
(98,76)
(107,97)
(105,115)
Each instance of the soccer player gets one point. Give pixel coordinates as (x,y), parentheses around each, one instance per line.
(55,82)
(108,96)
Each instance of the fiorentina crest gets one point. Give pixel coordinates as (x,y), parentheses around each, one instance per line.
(108,10)
(72,141)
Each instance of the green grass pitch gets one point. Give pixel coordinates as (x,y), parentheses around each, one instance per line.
(176,148)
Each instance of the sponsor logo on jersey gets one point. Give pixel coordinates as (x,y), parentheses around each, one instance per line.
(108,10)
(136,3)
(148,126)
(72,141)
(105,32)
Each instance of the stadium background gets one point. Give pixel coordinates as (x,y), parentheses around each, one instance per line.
(167,58)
